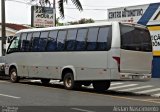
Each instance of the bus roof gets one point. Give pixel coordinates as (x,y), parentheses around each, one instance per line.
(66,27)
(73,26)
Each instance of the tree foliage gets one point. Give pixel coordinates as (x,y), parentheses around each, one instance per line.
(81,21)
(58,23)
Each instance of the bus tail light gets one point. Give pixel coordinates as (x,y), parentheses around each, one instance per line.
(118,62)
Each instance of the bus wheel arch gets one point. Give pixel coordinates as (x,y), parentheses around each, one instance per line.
(13,74)
(66,70)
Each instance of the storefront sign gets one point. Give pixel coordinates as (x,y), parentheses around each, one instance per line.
(42,16)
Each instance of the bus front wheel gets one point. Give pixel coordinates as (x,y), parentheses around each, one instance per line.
(68,81)
(101,85)
(13,75)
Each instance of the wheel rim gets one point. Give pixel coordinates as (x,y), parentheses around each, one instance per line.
(68,82)
(13,76)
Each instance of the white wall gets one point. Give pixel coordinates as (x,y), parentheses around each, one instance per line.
(9,31)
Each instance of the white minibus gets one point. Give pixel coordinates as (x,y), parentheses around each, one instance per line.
(96,53)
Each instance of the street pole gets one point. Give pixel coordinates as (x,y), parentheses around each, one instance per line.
(54,12)
(3,27)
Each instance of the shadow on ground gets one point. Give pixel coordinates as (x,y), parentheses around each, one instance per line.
(85,89)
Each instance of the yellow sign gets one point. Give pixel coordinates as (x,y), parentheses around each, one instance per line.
(155,35)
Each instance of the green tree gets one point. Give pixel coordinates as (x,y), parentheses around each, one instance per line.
(59,23)
(61,5)
(81,21)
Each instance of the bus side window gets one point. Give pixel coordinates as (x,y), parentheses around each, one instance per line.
(81,39)
(28,40)
(43,41)
(102,38)
(35,41)
(23,42)
(92,39)
(52,44)
(71,39)
(61,40)
(25,45)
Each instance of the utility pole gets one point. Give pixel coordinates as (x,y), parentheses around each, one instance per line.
(54,12)
(3,27)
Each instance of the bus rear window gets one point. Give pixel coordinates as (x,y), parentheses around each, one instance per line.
(135,38)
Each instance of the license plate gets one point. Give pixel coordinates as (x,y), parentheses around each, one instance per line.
(136,77)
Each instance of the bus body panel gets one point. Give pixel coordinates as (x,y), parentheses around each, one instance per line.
(136,62)
(114,52)
(116,40)
(112,63)
(88,66)
(91,65)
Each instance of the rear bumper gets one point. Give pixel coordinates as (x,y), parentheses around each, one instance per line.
(135,76)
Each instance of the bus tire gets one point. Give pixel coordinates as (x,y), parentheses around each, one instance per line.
(13,75)
(68,81)
(101,85)
(45,81)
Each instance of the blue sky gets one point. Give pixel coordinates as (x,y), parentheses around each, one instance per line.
(96,9)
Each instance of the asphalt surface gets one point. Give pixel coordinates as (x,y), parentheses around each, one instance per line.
(33,96)
(36,94)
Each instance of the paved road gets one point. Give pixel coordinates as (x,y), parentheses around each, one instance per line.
(28,93)
(151,87)
(35,94)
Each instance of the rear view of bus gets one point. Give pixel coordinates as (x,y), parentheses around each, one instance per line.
(135,52)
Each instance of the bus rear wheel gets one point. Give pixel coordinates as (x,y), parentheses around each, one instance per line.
(13,75)
(101,85)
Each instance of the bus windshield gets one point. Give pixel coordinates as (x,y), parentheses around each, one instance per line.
(14,45)
(135,38)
